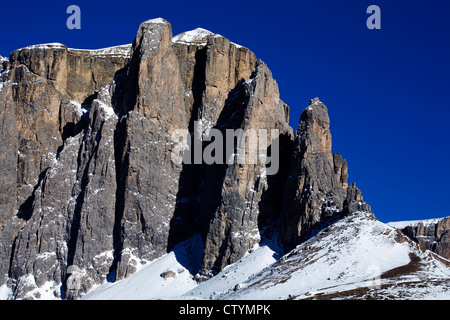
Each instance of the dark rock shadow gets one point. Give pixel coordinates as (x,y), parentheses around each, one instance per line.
(121,157)
(271,198)
(27,207)
(200,185)
(186,220)
(189,253)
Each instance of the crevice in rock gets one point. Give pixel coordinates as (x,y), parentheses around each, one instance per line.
(185,221)
(121,155)
(119,87)
(232,116)
(198,86)
(89,148)
(11,258)
(271,198)
(71,129)
(26,208)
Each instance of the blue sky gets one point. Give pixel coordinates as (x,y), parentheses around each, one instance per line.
(387,91)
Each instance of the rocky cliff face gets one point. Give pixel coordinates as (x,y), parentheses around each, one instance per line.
(89,188)
(432,234)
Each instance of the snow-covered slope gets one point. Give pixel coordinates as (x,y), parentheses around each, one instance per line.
(184,261)
(358,257)
(147,282)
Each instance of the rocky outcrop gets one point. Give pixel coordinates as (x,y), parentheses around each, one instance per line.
(79,73)
(316,191)
(58,158)
(211,67)
(71,216)
(433,235)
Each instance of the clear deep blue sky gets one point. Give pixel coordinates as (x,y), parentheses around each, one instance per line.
(387,91)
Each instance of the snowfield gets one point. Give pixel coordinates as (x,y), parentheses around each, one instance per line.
(358,257)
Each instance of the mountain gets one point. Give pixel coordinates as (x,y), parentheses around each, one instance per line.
(169,159)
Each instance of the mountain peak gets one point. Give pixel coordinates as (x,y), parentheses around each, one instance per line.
(156,21)
(314,128)
(316,192)
(198,36)
(315,101)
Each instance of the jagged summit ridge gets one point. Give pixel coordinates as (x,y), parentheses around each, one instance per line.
(198,36)
(120,50)
(156,21)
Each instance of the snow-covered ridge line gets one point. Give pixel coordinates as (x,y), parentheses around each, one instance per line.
(120,50)
(198,36)
(413,223)
(156,21)
(54,45)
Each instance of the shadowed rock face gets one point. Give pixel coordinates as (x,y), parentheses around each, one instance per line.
(89,189)
(235,213)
